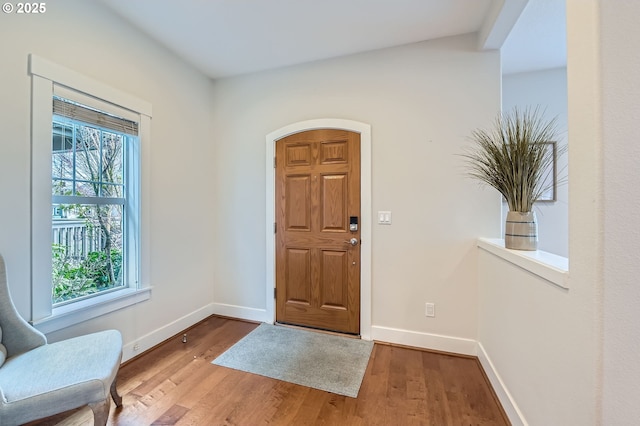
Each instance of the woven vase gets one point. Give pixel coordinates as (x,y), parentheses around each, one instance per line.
(521,231)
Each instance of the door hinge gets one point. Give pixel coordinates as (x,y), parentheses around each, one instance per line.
(274,162)
(275,227)
(274,292)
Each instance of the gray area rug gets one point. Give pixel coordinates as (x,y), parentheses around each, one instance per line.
(331,363)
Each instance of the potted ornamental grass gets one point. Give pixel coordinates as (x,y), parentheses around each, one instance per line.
(513,156)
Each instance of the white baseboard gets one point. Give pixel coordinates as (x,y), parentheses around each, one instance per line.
(161,334)
(240,312)
(507,401)
(417,339)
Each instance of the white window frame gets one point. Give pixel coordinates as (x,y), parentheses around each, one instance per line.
(47,77)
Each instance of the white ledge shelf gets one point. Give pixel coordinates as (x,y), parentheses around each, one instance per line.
(84,310)
(548,266)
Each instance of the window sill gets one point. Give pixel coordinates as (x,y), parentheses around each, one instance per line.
(74,313)
(548,266)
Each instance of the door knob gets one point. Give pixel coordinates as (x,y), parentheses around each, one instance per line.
(353,242)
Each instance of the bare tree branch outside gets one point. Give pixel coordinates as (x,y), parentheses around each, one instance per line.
(88,176)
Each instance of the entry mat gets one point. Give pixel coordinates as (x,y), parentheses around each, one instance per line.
(322,361)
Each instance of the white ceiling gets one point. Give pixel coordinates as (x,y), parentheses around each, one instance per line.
(538,40)
(230,37)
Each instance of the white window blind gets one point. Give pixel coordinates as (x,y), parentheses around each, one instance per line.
(75,111)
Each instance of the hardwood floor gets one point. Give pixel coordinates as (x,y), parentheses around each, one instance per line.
(176,384)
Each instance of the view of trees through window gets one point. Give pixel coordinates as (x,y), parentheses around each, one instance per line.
(88,181)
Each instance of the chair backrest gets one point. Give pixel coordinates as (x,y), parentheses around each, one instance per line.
(17,335)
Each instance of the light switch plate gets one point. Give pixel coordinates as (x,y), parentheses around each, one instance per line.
(384,218)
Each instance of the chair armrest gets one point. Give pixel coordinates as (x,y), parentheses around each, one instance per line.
(18,336)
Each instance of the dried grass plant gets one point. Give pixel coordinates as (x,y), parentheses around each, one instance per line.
(513,157)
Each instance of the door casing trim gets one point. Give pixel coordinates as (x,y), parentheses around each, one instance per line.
(365,211)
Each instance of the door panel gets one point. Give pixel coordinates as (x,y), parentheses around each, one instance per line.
(317,191)
(335,152)
(334,280)
(298,155)
(334,203)
(298,194)
(299,272)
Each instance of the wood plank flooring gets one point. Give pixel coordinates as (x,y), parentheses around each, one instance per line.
(176,384)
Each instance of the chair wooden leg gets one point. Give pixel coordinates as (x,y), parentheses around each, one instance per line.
(114,394)
(100,412)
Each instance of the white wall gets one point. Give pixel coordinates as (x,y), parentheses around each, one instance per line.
(547,89)
(540,340)
(422,101)
(620,89)
(544,341)
(88,38)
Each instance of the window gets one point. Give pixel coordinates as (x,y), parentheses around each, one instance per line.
(89,247)
(90,153)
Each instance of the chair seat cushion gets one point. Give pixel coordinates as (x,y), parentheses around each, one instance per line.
(59,376)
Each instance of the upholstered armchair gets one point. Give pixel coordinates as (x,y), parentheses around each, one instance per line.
(38,379)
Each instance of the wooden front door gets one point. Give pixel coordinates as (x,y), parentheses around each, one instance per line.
(317,254)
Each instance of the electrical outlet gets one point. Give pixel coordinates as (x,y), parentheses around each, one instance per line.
(430,309)
(136,347)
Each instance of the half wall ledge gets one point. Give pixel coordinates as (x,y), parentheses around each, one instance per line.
(548,266)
